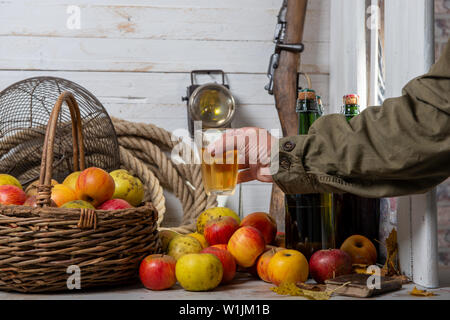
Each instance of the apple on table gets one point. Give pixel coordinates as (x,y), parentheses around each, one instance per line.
(329,264)
(199,271)
(220,230)
(246,244)
(227,260)
(157,272)
(360,249)
(288,265)
(264,223)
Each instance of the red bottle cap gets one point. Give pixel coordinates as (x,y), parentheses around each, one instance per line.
(351,99)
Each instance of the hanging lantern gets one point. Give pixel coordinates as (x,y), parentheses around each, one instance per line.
(211,103)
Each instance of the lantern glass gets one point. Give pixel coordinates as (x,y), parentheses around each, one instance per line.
(212,104)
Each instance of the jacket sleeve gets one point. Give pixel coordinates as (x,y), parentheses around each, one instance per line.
(402,147)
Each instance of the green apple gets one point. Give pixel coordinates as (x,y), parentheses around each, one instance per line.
(77,204)
(128,188)
(182,244)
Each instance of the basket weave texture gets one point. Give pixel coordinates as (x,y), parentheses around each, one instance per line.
(39,246)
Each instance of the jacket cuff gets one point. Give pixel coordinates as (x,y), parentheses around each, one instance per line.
(287,167)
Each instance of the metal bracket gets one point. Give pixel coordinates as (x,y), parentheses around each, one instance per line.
(278,39)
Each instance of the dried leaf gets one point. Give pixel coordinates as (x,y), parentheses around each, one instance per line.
(362,269)
(391,268)
(292,289)
(421,293)
(391,242)
(317,295)
(287,289)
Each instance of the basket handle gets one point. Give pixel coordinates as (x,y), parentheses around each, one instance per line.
(45,184)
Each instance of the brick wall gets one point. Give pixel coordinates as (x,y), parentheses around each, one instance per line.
(442,34)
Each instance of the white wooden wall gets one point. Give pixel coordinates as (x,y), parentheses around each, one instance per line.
(135,56)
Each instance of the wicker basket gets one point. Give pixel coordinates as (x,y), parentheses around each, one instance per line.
(39,245)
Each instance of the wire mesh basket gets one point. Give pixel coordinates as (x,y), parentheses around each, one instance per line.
(25,108)
(39,245)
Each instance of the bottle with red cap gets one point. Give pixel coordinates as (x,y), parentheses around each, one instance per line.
(355,214)
(309,217)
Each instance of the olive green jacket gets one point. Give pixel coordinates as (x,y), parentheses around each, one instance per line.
(402,147)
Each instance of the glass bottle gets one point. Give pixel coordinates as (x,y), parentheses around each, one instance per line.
(309,217)
(355,214)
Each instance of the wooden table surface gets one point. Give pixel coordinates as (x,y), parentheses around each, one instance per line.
(242,288)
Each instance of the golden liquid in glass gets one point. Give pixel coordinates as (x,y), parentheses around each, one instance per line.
(220,175)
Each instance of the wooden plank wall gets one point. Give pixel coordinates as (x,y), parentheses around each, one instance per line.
(135,56)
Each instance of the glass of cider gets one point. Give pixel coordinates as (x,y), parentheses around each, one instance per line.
(219,170)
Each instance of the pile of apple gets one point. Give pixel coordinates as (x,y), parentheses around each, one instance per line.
(91,188)
(223,244)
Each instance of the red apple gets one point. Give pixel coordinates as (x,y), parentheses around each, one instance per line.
(228,262)
(329,264)
(13,195)
(114,204)
(263,262)
(246,244)
(220,230)
(157,272)
(263,222)
(253,269)
(32,202)
(95,186)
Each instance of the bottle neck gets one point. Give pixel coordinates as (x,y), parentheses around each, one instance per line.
(307,111)
(350,110)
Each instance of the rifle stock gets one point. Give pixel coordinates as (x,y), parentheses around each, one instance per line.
(285,90)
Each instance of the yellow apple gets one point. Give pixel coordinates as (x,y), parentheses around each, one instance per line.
(128,188)
(199,271)
(166,236)
(71,180)
(200,238)
(62,194)
(182,244)
(6,179)
(212,214)
(288,266)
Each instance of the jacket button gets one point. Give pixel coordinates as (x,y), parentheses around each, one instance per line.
(285,163)
(288,146)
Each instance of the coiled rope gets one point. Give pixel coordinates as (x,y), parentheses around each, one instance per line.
(143,151)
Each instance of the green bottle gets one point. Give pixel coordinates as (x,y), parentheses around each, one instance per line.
(310,222)
(355,214)
(351,106)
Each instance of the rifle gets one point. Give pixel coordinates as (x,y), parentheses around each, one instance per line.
(283,80)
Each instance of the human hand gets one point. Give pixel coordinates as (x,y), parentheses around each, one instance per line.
(254,151)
